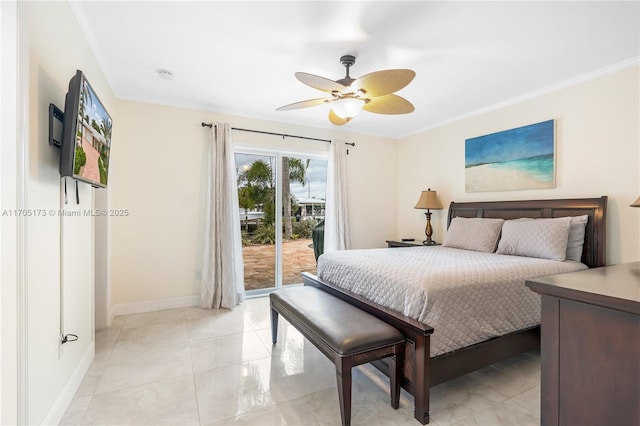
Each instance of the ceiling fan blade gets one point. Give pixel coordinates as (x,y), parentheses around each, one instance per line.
(380,83)
(389,104)
(304,104)
(336,119)
(319,83)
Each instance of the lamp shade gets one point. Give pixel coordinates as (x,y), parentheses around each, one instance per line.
(636,203)
(428,200)
(348,107)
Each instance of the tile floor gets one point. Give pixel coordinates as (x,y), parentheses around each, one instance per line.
(196,367)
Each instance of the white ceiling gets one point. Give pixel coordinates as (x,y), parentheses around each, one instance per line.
(240,57)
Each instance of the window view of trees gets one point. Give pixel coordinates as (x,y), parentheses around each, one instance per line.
(256,192)
(301,213)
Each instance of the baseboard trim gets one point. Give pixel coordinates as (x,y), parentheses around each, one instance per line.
(60,405)
(153,305)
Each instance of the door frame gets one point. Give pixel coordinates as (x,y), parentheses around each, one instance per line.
(278,154)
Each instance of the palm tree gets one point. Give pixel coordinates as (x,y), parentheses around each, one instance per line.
(106,128)
(85,98)
(246,202)
(293,170)
(306,167)
(260,189)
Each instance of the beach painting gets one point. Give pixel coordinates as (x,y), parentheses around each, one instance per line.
(520,158)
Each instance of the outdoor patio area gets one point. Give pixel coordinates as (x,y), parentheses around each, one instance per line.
(259,263)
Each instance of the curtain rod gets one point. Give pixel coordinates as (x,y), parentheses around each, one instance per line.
(210,125)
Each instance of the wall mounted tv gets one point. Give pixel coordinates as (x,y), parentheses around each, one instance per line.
(86,134)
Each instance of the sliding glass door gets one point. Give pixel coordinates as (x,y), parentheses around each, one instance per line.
(281,205)
(304,183)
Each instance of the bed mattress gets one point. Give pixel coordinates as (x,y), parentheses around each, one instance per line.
(466,296)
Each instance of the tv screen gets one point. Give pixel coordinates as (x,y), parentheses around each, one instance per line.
(86,134)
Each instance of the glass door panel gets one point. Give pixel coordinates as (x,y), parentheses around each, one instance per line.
(304,182)
(256,176)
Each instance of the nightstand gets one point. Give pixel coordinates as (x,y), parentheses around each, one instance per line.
(392,243)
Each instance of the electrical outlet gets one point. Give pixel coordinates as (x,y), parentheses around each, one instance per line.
(198,275)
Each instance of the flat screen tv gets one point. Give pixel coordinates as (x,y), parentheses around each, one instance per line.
(86,134)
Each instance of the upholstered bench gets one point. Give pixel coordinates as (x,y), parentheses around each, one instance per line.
(345,334)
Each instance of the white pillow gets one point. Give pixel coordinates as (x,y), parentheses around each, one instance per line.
(478,234)
(576,237)
(542,238)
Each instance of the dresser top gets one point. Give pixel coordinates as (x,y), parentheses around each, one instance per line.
(615,287)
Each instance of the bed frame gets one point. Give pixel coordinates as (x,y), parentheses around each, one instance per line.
(420,371)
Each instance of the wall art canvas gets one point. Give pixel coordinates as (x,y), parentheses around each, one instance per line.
(520,158)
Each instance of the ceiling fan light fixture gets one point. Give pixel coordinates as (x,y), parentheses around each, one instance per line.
(348,107)
(348,96)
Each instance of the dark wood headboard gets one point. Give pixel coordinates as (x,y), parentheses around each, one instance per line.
(593,254)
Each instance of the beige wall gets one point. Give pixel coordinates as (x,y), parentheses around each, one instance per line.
(597,153)
(157,175)
(59,249)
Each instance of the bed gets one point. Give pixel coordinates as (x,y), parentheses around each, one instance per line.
(423,368)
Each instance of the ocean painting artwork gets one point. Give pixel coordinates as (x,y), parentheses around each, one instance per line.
(520,158)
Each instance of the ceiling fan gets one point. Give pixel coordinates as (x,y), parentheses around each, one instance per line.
(372,92)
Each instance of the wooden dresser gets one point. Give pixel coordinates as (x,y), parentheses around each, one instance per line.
(590,346)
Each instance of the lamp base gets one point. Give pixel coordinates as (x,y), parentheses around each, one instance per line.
(428,231)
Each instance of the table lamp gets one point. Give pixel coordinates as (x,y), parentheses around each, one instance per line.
(428,200)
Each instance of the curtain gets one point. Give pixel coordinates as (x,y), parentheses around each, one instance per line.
(336,227)
(222,271)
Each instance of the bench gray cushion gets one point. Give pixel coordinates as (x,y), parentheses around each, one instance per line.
(340,325)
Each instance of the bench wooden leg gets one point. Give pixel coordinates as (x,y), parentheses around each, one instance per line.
(274,326)
(343,376)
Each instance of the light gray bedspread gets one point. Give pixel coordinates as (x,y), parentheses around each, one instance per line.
(466,296)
